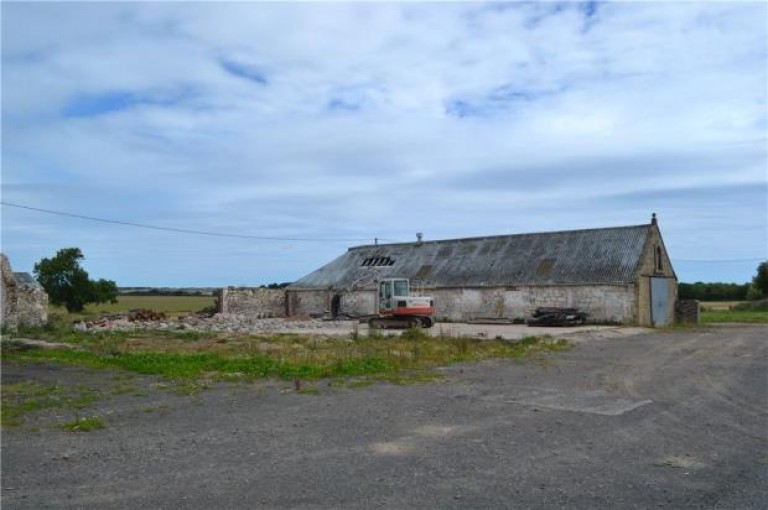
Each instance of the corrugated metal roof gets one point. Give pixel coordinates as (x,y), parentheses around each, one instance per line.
(25,280)
(605,255)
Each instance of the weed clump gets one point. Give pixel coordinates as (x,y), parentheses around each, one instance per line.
(85,424)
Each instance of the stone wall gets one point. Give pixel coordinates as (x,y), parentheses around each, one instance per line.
(256,302)
(606,303)
(23,301)
(687,311)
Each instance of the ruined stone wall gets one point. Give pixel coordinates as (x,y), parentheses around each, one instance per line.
(687,311)
(257,302)
(31,306)
(322,302)
(23,301)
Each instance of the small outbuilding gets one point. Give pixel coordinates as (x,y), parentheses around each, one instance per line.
(23,300)
(617,275)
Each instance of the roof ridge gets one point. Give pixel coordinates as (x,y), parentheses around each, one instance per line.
(499,236)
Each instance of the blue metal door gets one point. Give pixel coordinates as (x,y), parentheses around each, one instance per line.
(659,301)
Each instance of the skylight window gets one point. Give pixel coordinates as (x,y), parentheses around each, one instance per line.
(378,262)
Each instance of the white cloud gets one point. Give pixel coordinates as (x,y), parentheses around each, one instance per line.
(341,120)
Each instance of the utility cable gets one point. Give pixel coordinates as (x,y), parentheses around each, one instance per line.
(184,230)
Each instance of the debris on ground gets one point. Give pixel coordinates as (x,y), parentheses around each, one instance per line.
(145,314)
(554,316)
(203,322)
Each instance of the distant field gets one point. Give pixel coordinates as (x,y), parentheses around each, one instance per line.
(168,304)
(712,306)
(728,311)
(751,317)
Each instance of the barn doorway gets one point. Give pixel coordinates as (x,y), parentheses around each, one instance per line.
(335,305)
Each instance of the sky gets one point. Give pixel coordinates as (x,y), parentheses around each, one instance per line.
(285,133)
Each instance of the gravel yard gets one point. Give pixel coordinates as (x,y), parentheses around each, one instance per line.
(626,419)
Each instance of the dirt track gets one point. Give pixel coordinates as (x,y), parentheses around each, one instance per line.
(670,419)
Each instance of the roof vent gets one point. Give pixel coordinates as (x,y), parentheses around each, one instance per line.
(419,237)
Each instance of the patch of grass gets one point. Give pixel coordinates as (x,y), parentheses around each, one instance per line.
(744,316)
(22,398)
(405,359)
(169,304)
(752,306)
(108,338)
(13,345)
(718,306)
(188,387)
(85,424)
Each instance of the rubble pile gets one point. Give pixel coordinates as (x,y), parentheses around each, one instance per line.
(145,314)
(554,316)
(217,323)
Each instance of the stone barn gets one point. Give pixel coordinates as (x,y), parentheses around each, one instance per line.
(22,300)
(618,275)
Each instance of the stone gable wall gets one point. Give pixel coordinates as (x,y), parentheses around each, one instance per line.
(687,311)
(651,267)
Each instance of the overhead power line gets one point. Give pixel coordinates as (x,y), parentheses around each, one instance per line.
(184,230)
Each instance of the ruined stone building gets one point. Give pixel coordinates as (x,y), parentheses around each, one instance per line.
(616,274)
(22,300)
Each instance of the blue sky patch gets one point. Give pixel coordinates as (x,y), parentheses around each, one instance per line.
(88,105)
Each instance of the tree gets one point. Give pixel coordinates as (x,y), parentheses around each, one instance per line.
(760,281)
(715,291)
(68,284)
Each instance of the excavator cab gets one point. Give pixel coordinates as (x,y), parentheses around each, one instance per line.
(397,308)
(389,290)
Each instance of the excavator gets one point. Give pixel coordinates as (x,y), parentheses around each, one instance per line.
(398,309)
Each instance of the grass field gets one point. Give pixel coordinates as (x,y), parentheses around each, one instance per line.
(718,306)
(746,316)
(753,312)
(172,305)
